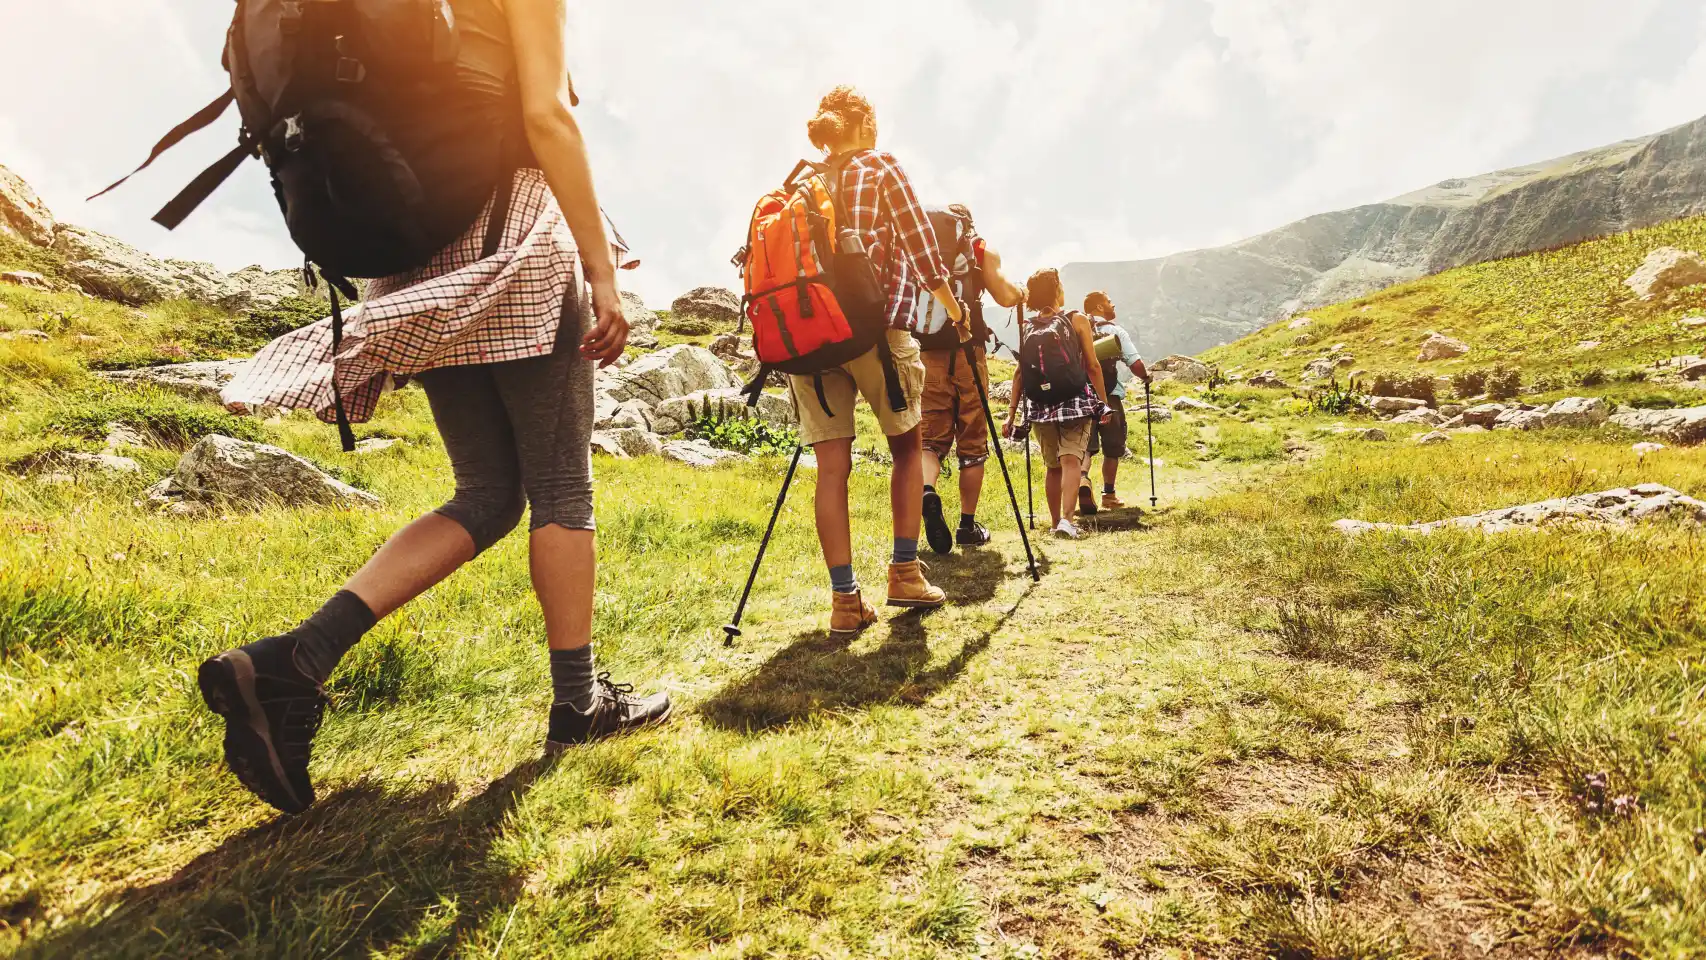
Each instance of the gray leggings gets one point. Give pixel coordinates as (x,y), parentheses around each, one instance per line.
(518,430)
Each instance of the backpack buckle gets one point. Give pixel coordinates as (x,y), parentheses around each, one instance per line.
(351,70)
(293,133)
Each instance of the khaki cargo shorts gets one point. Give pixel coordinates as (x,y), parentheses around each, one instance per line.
(843,385)
(953,410)
(1069,439)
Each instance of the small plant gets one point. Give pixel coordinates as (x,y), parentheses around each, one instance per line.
(750,436)
(1338,401)
(268,324)
(1632,375)
(1419,386)
(1591,377)
(689,326)
(1504,382)
(1469,383)
(1652,401)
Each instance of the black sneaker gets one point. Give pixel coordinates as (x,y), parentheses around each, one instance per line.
(975,535)
(936,530)
(272,711)
(614,711)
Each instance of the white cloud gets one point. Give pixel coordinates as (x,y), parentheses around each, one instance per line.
(1680,98)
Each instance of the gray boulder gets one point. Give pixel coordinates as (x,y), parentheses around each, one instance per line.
(1433,439)
(1371,434)
(1521,420)
(673,416)
(1156,414)
(710,303)
(22,213)
(1269,380)
(1695,371)
(673,372)
(1684,427)
(1183,369)
(1484,415)
(698,453)
(1666,269)
(104,464)
(110,268)
(197,381)
(1321,369)
(731,347)
(1422,417)
(1193,405)
(1395,405)
(1577,412)
(628,415)
(222,470)
(627,443)
(27,278)
(1438,346)
(1614,508)
(641,320)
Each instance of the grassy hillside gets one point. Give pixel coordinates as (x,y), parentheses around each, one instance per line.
(1532,312)
(1220,730)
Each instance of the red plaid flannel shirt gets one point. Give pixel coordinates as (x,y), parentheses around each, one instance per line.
(880,204)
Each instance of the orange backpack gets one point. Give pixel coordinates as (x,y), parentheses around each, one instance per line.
(812,294)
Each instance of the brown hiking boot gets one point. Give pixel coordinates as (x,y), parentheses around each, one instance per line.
(1086,501)
(850,615)
(908,588)
(1112,501)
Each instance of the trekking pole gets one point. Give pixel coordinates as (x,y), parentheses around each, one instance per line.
(733,629)
(1149,421)
(1001,458)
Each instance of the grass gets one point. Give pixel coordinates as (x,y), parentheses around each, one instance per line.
(1219,730)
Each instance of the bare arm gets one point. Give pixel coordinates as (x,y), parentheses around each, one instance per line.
(538,31)
(1015,398)
(1001,289)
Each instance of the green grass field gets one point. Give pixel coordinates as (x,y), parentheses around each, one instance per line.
(1219,730)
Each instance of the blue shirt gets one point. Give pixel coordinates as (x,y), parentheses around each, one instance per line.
(1128,352)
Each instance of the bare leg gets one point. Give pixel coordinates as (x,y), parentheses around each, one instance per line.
(415,559)
(564,568)
(971,488)
(933,469)
(1072,472)
(834,529)
(1110,473)
(906,484)
(1051,487)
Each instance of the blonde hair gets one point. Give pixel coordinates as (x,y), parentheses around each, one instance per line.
(1043,291)
(840,114)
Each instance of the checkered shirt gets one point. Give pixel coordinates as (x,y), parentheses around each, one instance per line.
(459,309)
(1084,404)
(880,205)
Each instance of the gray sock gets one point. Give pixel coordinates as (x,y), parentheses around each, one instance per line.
(571,677)
(324,638)
(905,551)
(841,579)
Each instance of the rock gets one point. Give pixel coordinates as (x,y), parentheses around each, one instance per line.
(1666,269)
(1577,412)
(1484,415)
(1642,449)
(26,278)
(1472,428)
(223,470)
(1344,360)
(1393,405)
(1372,434)
(1684,427)
(1001,392)
(198,381)
(22,213)
(642,322)
(1520,420)
(1193,405)
(640,341)
(604,442)
(36,336)
(1322,369)
(374,445)
(628,443)
(675,415)
(110,268)
(1184,369)
(1614,508)
(731,347)
(1157,414)
(1449,410)
(1588,345)
(1303,340)
(1441,347)
(1699,321)
(1269,380)
(673,372)
(121,435)
(711,303)
(698,453)
(1423,417)
(1300,323)
(98,463)
(256,288)
(1694,371)
(628,415)
(1433,439)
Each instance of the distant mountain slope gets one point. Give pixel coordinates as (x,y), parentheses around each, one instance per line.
(1189,302)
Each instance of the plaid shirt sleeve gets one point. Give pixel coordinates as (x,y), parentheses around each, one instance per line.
(913,235)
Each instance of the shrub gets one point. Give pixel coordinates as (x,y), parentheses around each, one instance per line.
(1337,401)
(1353,323)
(1631,375)
(1469,383)
(1504,383)
(266,325)
(743,436)
(1590,377)
(1419,386)
(689,326)
(1653,401)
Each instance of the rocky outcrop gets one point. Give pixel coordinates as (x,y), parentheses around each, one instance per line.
(1484,415)
(710,303)
(23,214)
(1269,380)
(197,381)
(1192,301)
(1666,269)
(698,453)
(672,372)
(112,269)
(27,278)
(1438,346)
(1193,405)
(1519,419)
(1576,412)
(642,322)
(1432,439)
(1324,368)
(1684,427)
(1183,369)
(627,443)
(1419,417)
(222,471)
(1614,508)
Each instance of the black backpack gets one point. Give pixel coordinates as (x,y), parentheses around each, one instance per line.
(381,154)
(1053,361)
(955,241)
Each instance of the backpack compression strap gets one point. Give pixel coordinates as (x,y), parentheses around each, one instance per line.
(202,119)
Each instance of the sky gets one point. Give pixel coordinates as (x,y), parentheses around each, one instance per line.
(1074,129)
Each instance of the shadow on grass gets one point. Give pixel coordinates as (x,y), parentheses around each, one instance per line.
(1118,521)
(817,674)
(366,870)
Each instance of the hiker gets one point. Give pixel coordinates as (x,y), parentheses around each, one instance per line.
(1060,386)
(505,348)
(1109,437)
(952,406)
(895,232)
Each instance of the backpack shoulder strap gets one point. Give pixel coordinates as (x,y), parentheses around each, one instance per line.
(201,120)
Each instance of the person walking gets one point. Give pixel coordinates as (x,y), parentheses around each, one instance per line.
(505,348)
(952,409)
(1059,383)
(884,212)
(1109,436)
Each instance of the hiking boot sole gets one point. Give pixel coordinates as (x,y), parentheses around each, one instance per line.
(557,747)
(936,532)
(227,685)
(1086,503)
(918,604)
(849,634)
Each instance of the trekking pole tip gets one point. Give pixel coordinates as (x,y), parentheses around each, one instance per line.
(733,635)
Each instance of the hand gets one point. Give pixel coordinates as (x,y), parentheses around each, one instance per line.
(609,336)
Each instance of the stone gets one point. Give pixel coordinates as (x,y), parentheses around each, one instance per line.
(1322,369)
(603,442)
(1395,405)
(121,435)
(1484,415)
(672,372)
(98,463)
(223,470)
(1269,380)
(197,381)
(642,322)
(1343,361)
(1303,340)
(1588,345)
(374,445)
(114,270)
(36,336)
(628,443)
(1684,427)
(1619,508)
(1438,346)
(26,278)
(1193,405)
(628,415)
(731,347)
(1001,392)
(1449,410)
(1520,420)
(1300,323)
(1642,449)
(675,415)
(1472,428)
(1577,412)
(1433,439)
(710,303)
(1158,414)
(1184,369)
(698,453)
(1699,321)
(1423,417)
(1694,371)
(1372,434)
(22,212)
(1666,269)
